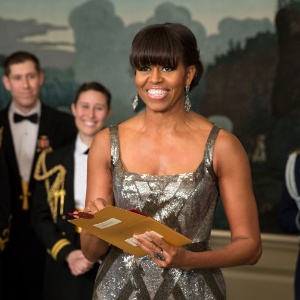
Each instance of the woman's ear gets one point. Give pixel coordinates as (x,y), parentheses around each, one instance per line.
(73,108)
(191,70)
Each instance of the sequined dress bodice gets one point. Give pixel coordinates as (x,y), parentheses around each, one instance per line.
(184,202)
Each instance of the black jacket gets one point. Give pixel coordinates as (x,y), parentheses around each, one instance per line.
(58,235)
(24,256)
(4,202)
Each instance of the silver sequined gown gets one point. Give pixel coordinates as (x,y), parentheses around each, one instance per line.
(185,202)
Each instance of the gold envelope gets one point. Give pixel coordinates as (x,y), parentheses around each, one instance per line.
(117,226)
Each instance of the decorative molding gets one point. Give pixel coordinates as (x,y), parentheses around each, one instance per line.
(271,278)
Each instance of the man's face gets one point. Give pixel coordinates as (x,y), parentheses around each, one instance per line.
(24,82)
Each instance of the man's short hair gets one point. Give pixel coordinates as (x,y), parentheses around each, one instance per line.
(20,57)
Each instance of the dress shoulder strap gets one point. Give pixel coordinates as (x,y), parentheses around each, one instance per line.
(114,142)
(210,144)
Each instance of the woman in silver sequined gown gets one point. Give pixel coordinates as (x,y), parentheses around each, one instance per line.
(171,164)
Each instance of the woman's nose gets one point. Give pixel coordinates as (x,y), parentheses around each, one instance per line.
(155,75)
(91,112)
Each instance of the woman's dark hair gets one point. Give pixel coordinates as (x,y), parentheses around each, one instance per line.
(165,45)
(94,86)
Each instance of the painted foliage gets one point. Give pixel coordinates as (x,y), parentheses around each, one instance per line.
(251,80)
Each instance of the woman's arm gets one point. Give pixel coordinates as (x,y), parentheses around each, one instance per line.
(99,191)
(232,167)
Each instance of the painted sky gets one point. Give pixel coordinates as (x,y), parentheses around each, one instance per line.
(208,12)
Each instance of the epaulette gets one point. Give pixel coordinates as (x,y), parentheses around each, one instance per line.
(295,151)
(290,178)
(55,192)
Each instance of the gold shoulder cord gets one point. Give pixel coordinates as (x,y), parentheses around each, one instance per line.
(4,238)
(5,235)
(56,192)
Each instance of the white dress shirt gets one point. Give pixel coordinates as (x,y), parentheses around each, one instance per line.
(80,173)
(24,135)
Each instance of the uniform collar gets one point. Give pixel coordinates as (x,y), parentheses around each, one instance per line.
(80,147)
(14,109)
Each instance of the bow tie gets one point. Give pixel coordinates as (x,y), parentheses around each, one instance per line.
(87,151)
(19,118)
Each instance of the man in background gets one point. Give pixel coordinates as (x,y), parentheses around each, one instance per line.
(28,126)
(289,212)
(4,210)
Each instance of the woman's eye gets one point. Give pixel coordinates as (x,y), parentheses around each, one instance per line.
(167,69)
(143,69)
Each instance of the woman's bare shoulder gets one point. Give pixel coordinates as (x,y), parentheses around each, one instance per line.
(227,140)
(229,150)
(129,126)
(101,139)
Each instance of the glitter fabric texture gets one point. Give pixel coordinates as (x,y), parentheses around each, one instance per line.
(186,203)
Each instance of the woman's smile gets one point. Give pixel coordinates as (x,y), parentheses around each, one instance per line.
(156,93)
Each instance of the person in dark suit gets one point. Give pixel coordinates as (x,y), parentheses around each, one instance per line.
(28,126)
(60,190)
(289,214)
(4,210)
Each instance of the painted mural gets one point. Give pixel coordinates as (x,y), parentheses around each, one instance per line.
(251,80)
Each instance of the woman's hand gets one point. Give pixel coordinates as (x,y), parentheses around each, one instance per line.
(162,253)
(92,246)
(77,263)
(96,205)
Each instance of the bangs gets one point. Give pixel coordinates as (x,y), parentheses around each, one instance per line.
(157,46)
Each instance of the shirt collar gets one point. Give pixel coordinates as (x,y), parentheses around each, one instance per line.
(80,147)
(14,109)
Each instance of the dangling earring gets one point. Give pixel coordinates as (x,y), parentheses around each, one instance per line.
(187,102)
(135,102)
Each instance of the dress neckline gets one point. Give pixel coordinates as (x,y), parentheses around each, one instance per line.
(163,176)
(207,155)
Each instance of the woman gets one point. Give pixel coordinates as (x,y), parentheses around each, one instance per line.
(61,189)
(171,164)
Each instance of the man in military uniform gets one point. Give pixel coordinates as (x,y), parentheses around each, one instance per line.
(4,210)
(28,126)
(289,218)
